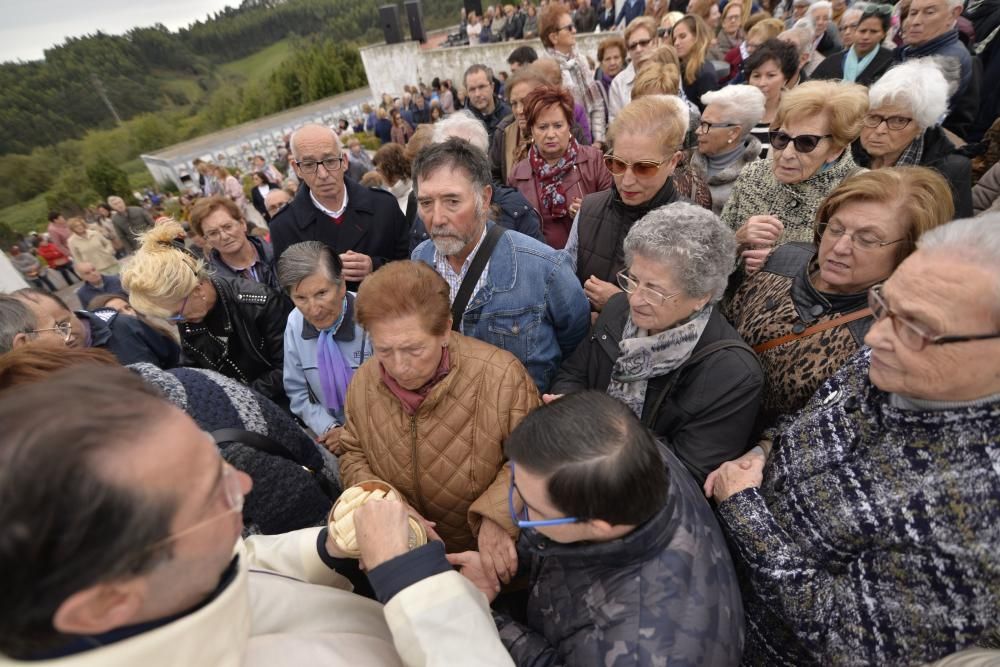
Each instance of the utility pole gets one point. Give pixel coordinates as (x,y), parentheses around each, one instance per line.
(99,85)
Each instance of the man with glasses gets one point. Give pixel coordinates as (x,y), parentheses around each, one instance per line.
(20,325)
(130,503)
(363,225)
(640,39)
(625,557)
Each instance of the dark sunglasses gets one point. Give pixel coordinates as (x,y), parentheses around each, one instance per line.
(804,143)
(641,168)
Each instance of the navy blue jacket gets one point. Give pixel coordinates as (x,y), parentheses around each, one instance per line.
(130,339)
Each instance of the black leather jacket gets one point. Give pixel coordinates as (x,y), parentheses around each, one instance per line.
(242,337)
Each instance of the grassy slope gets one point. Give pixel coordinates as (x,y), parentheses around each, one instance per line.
(257,65)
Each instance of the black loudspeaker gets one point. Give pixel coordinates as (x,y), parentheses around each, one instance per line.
(415,18)
(474,6)
(389,16)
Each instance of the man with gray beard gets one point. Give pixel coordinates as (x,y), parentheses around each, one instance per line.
(525,299)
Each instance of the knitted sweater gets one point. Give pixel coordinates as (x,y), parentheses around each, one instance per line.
(285,496)
(875,536)
(757,192)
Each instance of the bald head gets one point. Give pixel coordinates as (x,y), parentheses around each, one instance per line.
(310,134)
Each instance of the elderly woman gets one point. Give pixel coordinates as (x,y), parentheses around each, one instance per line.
(730,32)
(825,42)
(324,344)
(558,36)
(664,349)
(868,532)
(90,246)
(902,127)
(866,60)
(558,172)
(394,168)
(769,69)
(231,187)
(775,201)
(429,413)
(725,144)
(692,38)
(230,325)
(612,56)
(645,140)
(806,312)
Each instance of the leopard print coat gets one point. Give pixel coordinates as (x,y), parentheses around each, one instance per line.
(780,300)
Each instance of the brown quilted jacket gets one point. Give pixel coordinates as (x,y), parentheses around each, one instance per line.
(447,459)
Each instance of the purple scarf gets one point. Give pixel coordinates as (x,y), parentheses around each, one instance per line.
(335,371)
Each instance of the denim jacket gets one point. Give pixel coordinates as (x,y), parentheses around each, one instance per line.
(532,305)
(302,383)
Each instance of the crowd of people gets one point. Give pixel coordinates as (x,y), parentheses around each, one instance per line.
(689,355)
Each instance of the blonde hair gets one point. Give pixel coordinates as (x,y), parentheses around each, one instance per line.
(702,40)
(844,104)
(161,271)
(655,78)
(655,116)
(72,222)
(766,29)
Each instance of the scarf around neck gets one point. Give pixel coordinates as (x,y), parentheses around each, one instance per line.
(334,368)
(716,163)
(550,179)
(644,357)
(412,400)
(854,67)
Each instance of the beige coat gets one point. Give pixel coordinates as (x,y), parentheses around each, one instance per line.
(447,460)
(286,607)
(95,249)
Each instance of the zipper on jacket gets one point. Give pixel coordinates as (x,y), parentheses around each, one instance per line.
(416,466)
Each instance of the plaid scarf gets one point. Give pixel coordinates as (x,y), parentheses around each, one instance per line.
(910,157)
(550,179)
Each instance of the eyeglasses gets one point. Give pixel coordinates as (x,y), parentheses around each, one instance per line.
(179,315)
(641,168)
(804,143)
(639,44)
(705,127)
(64,328)
(570,27)
(229,229)
(860,240)
(733,16)
(521,519)
(233,492)
(873,120)
(330,164)
(631,286)
(911,334)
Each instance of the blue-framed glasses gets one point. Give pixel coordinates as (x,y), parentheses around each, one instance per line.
(520,519)
(179,315)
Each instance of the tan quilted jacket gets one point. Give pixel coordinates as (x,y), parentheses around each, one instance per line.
(447,460)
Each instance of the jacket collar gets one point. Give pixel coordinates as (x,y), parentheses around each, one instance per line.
(344,333)
(265,253)
(99,322)
(930,47)
(359,199)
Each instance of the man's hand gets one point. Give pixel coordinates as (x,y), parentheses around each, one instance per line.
(734,477)
(598,291)
(744,462)
(470,565)
(331,440)
(383,531)
(356,266)
(496,548)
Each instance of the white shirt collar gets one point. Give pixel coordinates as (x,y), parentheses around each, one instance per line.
(332,214)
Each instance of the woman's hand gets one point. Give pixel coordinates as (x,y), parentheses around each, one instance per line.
(760,231)
(548,398)
(754,260)
(743,462)
(574,206)
(733,477)
(496,548)
(331,440)
(598,291)
(470,565)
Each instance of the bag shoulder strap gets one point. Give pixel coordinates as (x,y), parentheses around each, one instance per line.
(814,329)
(692,361)
(472,276)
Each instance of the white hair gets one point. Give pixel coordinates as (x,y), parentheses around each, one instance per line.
(976,240)
(740,104)
(851,11)
(820,4)
(801,34)
(464,125)
(919,85)
(955,3)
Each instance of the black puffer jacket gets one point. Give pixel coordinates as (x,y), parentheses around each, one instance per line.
(707,416)
(242,337)
(130,339)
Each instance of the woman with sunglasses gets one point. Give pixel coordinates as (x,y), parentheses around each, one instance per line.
(645,140)
(230,325)
(806,312)
(775,201)
(558,172)
(664,349)
(868,533)
(902,127)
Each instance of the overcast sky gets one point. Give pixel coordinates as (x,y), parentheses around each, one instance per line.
(31,26)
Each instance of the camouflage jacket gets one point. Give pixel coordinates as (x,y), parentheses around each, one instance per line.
(665,594)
